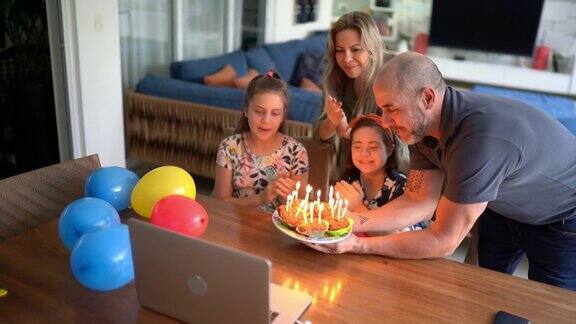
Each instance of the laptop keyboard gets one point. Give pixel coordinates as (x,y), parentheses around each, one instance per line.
(273,315)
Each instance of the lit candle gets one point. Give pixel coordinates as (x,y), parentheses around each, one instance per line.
(331,204)
(303,209)
(288,201)
(308,191)
(320,209)
(312,212)
(318,193)
(331,193)
(345,208)
(297,188)
(339,208)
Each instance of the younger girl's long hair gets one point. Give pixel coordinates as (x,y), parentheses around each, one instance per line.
(334,80)
(264,83)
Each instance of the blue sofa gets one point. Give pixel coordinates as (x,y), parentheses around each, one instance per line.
(186,82)
(180,120)
(563,109)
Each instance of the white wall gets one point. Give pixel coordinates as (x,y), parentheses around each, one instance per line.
(92,46)
(280,19)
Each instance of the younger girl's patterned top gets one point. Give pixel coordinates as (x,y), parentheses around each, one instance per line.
(251,173)
(392,188)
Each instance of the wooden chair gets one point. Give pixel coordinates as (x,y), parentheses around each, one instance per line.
(32,198)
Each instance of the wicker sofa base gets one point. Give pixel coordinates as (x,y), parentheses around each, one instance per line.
(165,131)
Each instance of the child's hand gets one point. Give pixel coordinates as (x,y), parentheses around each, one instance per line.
(282,186)
(353,192)
(334,112)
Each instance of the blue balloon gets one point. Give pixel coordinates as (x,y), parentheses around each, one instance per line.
(102,259)
(83,215)
(113,184)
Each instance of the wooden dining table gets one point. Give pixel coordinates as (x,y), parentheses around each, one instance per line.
(347,288)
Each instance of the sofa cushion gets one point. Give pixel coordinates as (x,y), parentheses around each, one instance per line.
(259,59)
(223,78)
(196,70)
(308,66)
(561,108)
(310,85)
(285,55)
(231,98)
(305,106)
(316,44)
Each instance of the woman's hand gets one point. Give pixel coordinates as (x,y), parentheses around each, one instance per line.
(334,112)
(353,192)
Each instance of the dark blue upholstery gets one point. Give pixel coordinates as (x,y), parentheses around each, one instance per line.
(304,105)
(231,98)
(187,82)
(316,44)
(285,56)
(259,59)
(195,70)
(563,109)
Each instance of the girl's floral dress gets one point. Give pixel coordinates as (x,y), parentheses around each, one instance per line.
(251,173)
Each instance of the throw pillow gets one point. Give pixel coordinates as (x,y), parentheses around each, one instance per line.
(242,82)
(223,78)
(309,85)
(308,66)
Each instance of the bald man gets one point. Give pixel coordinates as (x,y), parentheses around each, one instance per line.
(474,155)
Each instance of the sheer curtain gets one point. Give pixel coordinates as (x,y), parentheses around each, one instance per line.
(145,39)
(203,28)
(154,33)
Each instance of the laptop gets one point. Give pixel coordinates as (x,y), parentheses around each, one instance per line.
(201,282)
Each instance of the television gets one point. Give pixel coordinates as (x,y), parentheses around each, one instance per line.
(496,26)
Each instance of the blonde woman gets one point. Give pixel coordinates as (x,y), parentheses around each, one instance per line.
(354,53)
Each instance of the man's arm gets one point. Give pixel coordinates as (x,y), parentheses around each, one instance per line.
(418,203)
(453,222)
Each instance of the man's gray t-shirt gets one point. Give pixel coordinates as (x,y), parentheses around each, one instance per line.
(507,153)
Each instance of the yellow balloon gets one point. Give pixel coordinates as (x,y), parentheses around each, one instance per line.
(159,183)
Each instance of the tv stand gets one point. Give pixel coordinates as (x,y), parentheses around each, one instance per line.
(508,76)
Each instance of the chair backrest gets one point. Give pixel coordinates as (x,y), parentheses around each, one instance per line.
(32,198)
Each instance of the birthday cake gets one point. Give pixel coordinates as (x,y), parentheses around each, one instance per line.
(314,218)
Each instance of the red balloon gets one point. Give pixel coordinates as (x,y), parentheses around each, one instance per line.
(180,214)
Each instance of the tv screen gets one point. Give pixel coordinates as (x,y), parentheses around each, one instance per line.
(499,26)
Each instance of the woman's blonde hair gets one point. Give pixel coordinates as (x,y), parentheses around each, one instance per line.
(334,79)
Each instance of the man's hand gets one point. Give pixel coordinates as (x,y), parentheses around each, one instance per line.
(344,246)
(353,192)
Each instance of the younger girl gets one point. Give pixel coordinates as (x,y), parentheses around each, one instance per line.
(259,164)
(373,179)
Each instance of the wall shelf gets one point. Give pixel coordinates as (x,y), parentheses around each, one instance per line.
(506,76)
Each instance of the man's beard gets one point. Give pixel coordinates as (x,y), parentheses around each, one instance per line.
(420,127)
